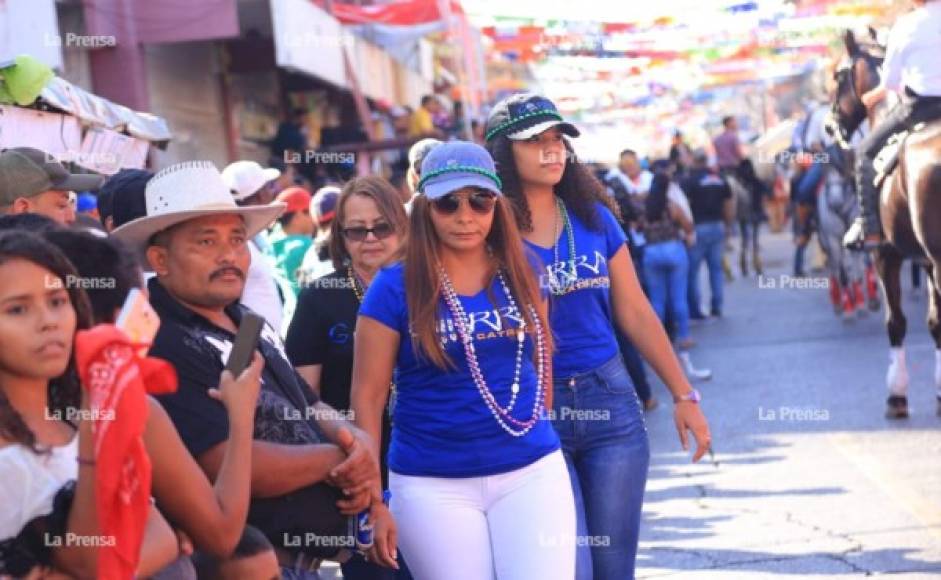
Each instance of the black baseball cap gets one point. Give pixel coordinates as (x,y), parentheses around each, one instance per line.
(122,196)
(523,115)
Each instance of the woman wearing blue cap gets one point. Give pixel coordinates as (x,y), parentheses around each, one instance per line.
(479,488)
(566,219)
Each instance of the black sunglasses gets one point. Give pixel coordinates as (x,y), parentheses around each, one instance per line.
(360,233)
(481,202)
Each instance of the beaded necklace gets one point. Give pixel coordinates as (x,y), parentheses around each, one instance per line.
(558,268)
(358,287)
(510,424)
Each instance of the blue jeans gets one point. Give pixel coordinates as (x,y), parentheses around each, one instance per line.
(601,425)
(666,267)
(709,239)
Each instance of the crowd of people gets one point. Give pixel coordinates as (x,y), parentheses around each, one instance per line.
(460,359)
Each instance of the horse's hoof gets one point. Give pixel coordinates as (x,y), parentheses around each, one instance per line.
(897,407)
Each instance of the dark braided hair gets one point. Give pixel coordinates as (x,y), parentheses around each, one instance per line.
(65,390)
(578,188)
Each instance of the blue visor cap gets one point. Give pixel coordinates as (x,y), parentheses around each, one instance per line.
(455,165)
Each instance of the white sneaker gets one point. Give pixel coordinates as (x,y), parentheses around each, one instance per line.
(691,371)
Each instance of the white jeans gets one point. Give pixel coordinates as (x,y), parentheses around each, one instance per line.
(518,525)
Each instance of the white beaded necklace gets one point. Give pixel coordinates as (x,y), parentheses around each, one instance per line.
(510,424)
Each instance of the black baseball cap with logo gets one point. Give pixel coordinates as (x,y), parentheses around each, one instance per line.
(26,172)
(523,115)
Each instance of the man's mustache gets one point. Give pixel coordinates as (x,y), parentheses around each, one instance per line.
(227,270)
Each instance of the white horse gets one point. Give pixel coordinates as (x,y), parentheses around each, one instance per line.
(852,281)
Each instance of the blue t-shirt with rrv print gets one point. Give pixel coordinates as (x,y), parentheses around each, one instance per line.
(582,320)
(441,425)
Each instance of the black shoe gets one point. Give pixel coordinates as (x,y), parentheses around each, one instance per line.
(897,407)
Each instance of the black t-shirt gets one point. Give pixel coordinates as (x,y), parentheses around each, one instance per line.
(321,333)
(707,192)
(198,350)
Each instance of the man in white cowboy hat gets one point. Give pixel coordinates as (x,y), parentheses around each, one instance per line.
(252,185)
(194,238)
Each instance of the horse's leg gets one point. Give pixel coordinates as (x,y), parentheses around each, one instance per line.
(934,326)
(743,255)
(889,266)
(926,182)
(756,248)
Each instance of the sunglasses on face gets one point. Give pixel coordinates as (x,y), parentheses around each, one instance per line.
(481,202)
(360,233)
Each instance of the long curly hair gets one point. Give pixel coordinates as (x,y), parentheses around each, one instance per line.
(64,392)
(578,187)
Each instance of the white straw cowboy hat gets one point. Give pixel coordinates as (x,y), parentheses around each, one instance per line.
(187,191)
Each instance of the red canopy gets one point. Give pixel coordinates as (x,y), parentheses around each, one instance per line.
(403,13)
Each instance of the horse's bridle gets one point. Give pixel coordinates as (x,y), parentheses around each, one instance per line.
(860,112)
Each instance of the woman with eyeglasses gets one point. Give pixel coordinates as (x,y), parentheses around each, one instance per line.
(368,229)
(478,484)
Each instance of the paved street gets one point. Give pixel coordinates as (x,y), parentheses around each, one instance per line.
(810,479)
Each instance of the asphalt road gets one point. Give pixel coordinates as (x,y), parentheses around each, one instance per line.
(809,479)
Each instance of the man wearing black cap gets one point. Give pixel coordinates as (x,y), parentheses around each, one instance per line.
(121,198)
(32,181)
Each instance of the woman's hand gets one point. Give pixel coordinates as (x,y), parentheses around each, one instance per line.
(689,416)
(384,550)
(240,395)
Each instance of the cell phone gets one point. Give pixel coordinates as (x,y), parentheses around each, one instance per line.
(137,319)
(246,341)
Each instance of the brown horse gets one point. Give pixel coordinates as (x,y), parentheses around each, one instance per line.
(910,210)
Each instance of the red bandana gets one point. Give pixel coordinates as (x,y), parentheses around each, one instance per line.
(118,381)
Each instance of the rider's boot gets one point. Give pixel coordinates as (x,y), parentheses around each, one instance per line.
(866,231)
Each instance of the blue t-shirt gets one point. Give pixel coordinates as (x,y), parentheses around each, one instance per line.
(582,320)
(441,425)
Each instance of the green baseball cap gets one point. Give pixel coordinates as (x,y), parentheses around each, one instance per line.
(27,172)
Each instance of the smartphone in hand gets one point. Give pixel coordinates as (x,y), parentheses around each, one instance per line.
(246,341)
(137,319)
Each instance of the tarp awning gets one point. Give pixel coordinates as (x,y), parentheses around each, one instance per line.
(100,112)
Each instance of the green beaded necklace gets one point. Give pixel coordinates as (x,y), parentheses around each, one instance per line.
(556,287)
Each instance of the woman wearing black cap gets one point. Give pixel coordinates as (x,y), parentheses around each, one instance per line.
(564,215)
